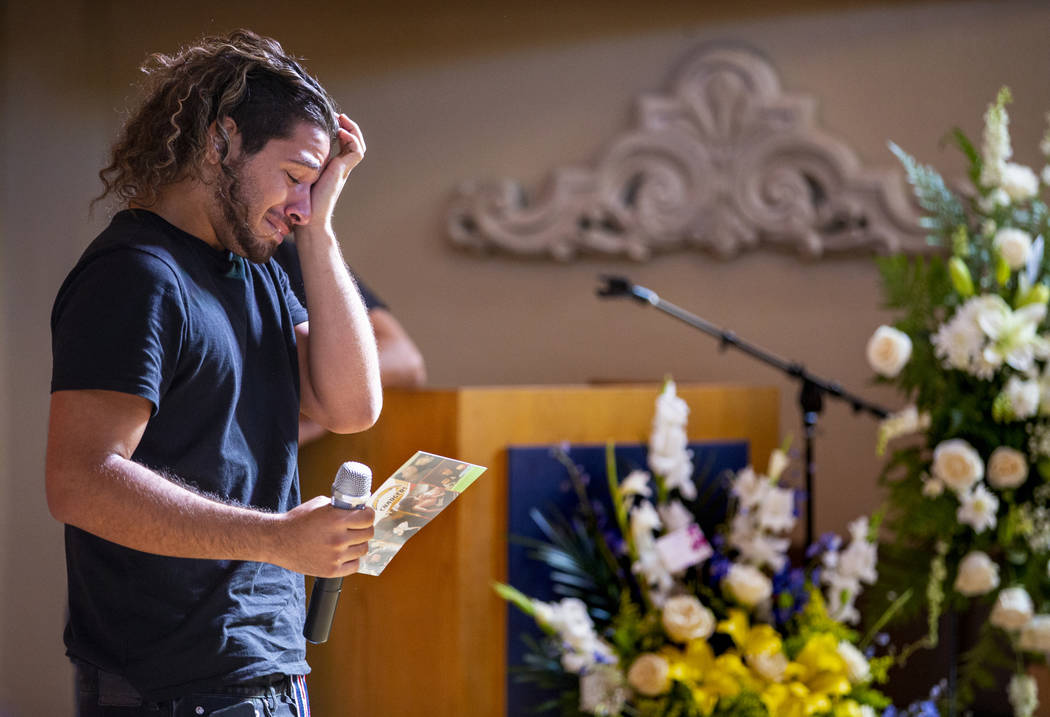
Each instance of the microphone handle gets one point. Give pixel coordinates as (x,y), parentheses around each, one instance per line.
(319,616)
(324,597)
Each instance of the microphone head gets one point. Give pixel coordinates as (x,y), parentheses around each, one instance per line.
(353,480)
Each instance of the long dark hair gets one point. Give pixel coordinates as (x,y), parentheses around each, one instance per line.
(243,76)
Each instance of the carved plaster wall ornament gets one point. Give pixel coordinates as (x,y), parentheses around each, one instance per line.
(725,162)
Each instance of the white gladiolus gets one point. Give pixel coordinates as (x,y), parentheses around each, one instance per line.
(888,351)
(1013,609)
(978,574)
(1007,468)
(636,483)
(650,674)
(669,455)
(1023,694)
(749,488)
(1035,635)
(1019,181)
(747,585)
(675,516)
(957,465)
(1013,245)
(570,620)
(995,145)
(845,571)
(995,198)
(777,510)
(977,508)
(778,461)
(685,618)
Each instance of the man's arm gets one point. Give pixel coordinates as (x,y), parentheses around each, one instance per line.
(93,484)
(338,362)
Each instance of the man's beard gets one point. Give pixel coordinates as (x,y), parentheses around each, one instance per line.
(235,212)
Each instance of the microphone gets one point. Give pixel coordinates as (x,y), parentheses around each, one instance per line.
(350,491)
(617,286)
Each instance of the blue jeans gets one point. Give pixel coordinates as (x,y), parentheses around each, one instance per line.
(100,694)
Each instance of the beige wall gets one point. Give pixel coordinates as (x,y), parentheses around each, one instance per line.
(510,91)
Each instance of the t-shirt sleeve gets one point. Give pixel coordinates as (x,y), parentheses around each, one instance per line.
(118,324)
(286,283)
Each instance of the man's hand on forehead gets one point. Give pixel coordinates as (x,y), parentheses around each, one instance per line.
(342,159)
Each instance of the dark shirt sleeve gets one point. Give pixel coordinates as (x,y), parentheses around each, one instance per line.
(118,324)
(372,301)
(287,257)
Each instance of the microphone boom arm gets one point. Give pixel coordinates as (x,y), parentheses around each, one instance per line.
(813,388)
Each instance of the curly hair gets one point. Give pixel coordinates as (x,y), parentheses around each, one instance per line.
(243,76)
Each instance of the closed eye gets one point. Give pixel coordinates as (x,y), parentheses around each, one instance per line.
(292,178)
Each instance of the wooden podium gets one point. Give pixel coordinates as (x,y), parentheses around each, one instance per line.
(427,637)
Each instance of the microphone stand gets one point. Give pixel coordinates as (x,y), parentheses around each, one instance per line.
(812,388)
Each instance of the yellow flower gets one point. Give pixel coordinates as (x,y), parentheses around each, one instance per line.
(736,626)
(709,678)
(794,699)
(848,708)
(820,667)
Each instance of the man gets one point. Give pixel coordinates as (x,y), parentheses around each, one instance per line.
(181,362)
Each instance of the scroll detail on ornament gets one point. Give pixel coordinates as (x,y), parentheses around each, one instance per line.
(726,162)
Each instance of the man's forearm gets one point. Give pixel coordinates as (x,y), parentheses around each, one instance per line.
(343,390)
(126,503)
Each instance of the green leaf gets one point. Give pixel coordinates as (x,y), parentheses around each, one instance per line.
(945,209)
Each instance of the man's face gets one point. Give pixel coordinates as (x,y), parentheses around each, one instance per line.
(270,193)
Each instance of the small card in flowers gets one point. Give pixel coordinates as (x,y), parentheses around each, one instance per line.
(409,499)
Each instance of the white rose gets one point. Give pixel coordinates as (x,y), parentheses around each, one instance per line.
(857,668)
(1013,609)
(770,666)
(957,464)
(650,675)
(1035,635)
(685,618)
(748,585)
(1019,181)
(1007,468)
(978,574)
(888,350)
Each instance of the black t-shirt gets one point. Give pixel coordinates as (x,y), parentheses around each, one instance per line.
(208,338)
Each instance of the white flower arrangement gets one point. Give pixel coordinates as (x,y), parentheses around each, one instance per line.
(714,630)
(974,490)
